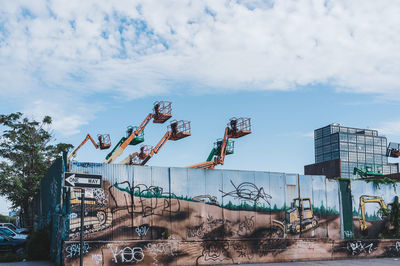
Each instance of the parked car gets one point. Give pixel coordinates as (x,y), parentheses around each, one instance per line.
(11,234)
(16,229)
(13,245)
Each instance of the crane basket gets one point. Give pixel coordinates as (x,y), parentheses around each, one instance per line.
(239,127)
(179,129)
(145,150)
(104,141)
(162,111)
(138,139)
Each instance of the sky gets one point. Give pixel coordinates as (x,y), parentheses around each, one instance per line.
(291,66)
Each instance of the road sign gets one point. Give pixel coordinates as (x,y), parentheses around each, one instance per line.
(82,180)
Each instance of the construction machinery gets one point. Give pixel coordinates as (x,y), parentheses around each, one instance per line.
(393,150)
(361,209)
(104,143)
(298,219)
(236,128)
(175,131)
(368,171)
(161,113)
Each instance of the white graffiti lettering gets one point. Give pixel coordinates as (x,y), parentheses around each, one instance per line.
(98,258)
(142,230)
(397,246)
(74,250)
(348,234)
(157,249)
(127,254)
(358,247)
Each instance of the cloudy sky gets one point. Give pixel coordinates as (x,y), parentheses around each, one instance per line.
(293,66)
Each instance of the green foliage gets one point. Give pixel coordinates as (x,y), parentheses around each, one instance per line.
(382,181)
(38,245)
(6,219)
(394,217)
(26,152)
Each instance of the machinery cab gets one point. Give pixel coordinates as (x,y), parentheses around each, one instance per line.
(179,129)
(138,139)
(393,150)
(239,127)
(162,111)
(229,146)
(305,207)
(104,141)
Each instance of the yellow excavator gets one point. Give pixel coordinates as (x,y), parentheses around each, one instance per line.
(298,219)
(361,210)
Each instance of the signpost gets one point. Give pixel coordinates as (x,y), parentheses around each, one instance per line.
(82,181)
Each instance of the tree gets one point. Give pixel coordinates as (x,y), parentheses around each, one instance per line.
(394,216)
(26,152)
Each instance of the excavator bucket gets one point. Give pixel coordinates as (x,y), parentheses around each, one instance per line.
(104,141)
(239,127)
(162,111)
(179,129)
(229,146)
(137,139)
(145,150)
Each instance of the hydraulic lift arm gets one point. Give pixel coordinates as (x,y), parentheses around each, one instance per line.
(157,148)
(104,143)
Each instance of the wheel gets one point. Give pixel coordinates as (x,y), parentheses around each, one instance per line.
(20,250)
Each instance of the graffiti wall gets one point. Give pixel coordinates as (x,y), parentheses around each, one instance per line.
(146,215)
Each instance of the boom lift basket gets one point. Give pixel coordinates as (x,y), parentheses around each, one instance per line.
(138,139)
(145,150)
(104,141)
(179,129)
(393,150)
(229,146)
(135,160)
(239,127)
(162,111)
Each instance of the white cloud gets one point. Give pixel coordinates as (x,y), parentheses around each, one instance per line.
(135,49)
(390,128)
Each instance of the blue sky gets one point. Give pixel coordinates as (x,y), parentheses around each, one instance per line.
(292,66)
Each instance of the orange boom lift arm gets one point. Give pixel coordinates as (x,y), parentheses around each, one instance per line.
(236,128)
(104,143)
(176,130)
(161,113)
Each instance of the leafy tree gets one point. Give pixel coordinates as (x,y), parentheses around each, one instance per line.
(25,154)
(394,216)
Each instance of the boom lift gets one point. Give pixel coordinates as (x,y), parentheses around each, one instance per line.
(175,131)
(236,128)
(361,209)
(393,150)
(104,143)
(368,171)
(161,113)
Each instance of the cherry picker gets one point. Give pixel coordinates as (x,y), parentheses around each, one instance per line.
(104,143)
(175,131)
(236,128)
(161,113)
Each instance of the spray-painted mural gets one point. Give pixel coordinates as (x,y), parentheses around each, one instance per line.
(194,216)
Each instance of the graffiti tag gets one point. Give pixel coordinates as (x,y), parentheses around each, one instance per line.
(157,249)
(98,258)
(142,230)
(247,226)
(249,192)
(358,247)
(74,250)
(127,254)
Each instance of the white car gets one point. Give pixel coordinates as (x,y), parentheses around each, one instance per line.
(10,233)
(14,228)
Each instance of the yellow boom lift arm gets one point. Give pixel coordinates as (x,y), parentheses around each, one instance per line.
(176,130)
(161,113)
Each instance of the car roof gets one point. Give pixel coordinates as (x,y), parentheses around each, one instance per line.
(4,236)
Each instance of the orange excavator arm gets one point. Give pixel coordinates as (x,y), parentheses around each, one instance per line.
(73,154)
(157,148)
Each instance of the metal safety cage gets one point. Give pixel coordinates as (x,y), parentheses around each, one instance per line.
(393,150)
(104,141)
(239,127)
(135,160)
(230,146)
(138,139)
(162,111)
(179,129)
(145,151)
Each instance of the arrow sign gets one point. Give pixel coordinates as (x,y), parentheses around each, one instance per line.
(82,180)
